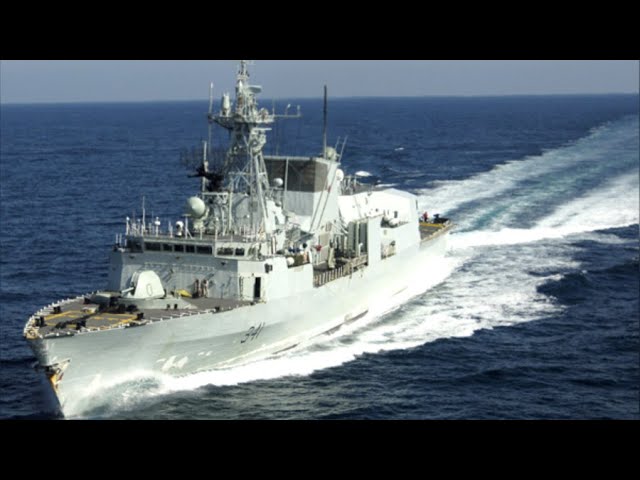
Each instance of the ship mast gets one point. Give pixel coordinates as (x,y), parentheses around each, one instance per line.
(247,179)
(241,204)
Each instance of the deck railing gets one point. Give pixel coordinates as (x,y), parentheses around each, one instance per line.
(323,277)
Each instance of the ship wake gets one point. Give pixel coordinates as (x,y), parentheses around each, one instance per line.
(517,228)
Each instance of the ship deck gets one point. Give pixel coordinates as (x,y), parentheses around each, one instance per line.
(431,230)
(76,314)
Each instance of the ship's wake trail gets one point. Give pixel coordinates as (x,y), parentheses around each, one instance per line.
(516,228)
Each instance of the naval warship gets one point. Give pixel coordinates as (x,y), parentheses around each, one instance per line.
(272,251)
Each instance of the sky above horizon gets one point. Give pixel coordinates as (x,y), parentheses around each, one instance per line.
(35,81)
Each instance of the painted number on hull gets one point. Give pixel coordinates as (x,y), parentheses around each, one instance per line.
(253,333)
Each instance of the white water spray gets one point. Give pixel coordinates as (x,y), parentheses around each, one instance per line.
(492,274)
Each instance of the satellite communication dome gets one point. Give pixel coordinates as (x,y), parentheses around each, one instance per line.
(331,154)
(195,207)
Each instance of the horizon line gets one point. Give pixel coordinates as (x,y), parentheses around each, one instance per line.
(337,97)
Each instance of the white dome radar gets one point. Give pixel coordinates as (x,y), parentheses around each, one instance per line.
(195,207)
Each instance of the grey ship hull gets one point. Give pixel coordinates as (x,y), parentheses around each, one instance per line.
(200,342)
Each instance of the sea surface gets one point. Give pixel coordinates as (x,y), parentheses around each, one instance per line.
(532,315)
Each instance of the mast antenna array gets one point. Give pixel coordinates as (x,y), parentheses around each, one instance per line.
(324,124)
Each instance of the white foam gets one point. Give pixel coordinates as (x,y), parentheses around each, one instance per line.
(468,301)
(362,173)
(615,204)
(489,279)
(593,153)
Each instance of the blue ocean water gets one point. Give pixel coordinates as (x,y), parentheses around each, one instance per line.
(534,316)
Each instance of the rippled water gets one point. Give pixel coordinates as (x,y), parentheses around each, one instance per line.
(533,314)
